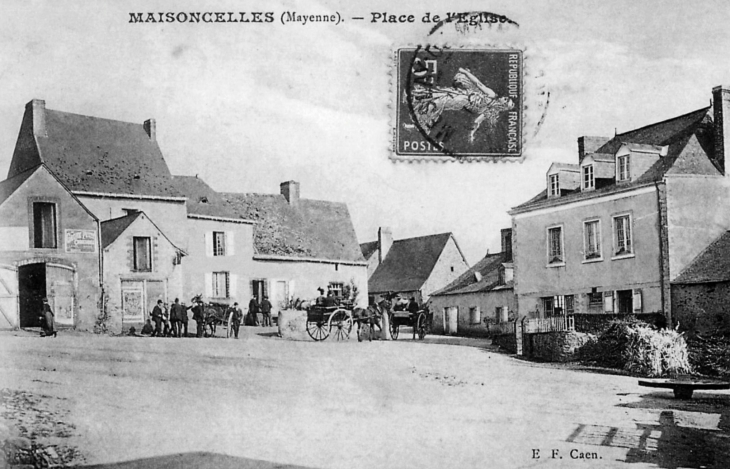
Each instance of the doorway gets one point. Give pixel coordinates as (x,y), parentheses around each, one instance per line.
(31,291)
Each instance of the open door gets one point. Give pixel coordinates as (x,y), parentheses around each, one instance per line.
(31,291)
(60,293)
(8,298)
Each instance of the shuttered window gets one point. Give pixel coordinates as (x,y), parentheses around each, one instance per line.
(219,243)
(44,225)
(220,287)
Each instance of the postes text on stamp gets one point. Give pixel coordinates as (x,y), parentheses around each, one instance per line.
(458,103)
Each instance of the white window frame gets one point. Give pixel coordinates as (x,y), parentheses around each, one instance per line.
(623,168)
(550,262)
(588,176)
(337,289)
(624,239)
(219,243)
(216,287)
(554,185)
(599,247)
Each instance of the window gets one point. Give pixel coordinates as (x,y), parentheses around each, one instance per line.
(44,225)
(475,315)
(624,168)
(592,239)
(500,278)
(336,289)
(259,289)
(622,229)
(554,188)
(142,254)
(555,245)
(595,299)
(559,305)
(625,301)
(569,304)
(219,243)
(221,284)
(588,181)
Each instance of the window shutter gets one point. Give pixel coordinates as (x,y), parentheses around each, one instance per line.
(637,300)
(266,288)
(209,244)
(208,284)
(253,291)
(232,286)
(608,302)
(230,250)
(291,290)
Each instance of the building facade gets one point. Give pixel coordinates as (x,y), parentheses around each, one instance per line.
(614,241)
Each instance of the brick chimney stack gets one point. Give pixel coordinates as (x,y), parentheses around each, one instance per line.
(150,126)
(37,108)
(290,191)
(721,117)
(506,235)
(385,241)
(590,145)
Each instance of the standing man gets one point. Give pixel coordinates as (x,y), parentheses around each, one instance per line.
(49,328)
(184,319)
(235,316)
(413,310)
(198,317)
(157,318)
(176,312)
(266,311)
(253,311)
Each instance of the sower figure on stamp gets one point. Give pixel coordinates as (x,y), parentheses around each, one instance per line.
(235,316)
(157,319)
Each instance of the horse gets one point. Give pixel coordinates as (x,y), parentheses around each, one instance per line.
(371,315)
(212,316)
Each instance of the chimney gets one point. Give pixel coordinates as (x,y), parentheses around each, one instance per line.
(588,144)
(506,235)
(290,191)
(385,241)
(150,126)
(721,108)
(37,108)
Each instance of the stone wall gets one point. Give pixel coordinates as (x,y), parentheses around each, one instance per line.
(702,307)
(507,342)
(554,346)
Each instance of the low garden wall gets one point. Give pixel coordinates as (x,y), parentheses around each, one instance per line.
(560,346)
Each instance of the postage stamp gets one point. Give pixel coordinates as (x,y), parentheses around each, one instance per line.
(458,103)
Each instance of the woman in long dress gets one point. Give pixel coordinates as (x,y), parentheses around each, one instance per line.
(50,324)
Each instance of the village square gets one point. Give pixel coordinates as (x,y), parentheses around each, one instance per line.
(320,235)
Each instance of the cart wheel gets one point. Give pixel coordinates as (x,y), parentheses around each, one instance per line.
(318,330)
(340,324)
(421,326)
(394,330)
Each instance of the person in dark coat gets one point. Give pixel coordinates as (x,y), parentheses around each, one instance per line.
(157,318)
(49,323)
(147,328)
(199,318)
(176,312)
(413,309)
(321,298)
(184,319)
(236,316)
(266,312)
(253,311)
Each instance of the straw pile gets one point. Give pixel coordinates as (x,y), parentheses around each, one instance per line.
(633,346)
(656,353)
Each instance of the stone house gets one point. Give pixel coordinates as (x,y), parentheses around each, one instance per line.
(481,296)
(189,239)
(49,247)
(413,267)
(614,241)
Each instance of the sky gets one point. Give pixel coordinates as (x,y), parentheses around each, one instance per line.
(247,106)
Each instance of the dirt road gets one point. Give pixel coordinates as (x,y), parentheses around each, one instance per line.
(265,402)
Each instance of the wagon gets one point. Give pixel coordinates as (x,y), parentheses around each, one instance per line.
(323,321)
(404,318)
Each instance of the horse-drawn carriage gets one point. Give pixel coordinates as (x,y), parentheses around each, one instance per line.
(338,320)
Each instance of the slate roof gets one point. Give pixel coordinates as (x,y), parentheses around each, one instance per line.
(93,154)
(314,229)
(408,264)
(691,150)
(368,249)
(112,229)
(712,265)
(9,186)
(488,268)
(201,198)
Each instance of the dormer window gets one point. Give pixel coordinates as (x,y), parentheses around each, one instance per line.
(554,188)
(623,168)
(588,181)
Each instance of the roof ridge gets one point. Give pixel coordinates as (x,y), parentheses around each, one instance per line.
(705,109)
(94,117)
(135,213)
(424,236)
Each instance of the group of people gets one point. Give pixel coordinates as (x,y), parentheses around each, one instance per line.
(255,307)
